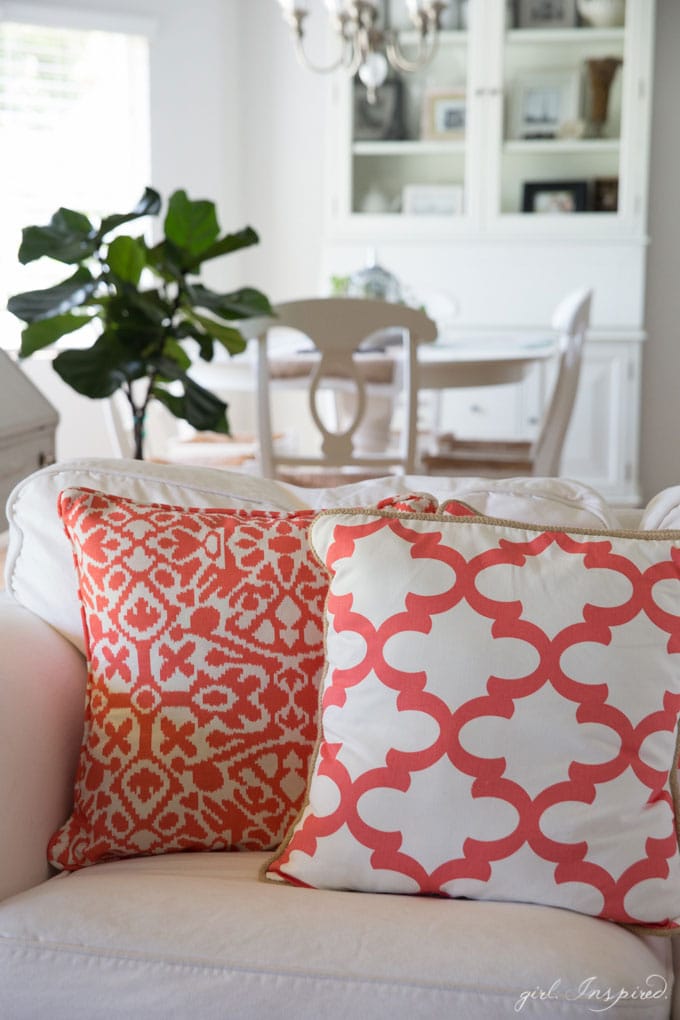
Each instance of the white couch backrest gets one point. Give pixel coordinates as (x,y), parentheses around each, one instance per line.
(40,572)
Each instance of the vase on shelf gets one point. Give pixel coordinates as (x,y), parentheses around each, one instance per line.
(600,71)
(375,201)
(602,13)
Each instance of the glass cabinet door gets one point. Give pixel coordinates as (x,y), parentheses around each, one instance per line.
(528,109)
(408,150)
(567,119)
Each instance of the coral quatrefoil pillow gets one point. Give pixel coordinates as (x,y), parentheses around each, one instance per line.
(499,716)
(205,652)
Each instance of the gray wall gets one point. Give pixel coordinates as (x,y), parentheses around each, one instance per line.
(660,442)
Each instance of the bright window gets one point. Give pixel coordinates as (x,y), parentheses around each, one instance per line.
(74,131)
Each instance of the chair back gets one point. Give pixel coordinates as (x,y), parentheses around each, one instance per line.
(571,319)
(337,328)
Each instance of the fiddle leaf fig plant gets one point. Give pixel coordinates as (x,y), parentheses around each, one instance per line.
(147,303)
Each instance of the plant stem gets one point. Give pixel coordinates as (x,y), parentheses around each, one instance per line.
(138,416)
(138,434)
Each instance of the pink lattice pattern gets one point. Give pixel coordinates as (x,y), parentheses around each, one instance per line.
(499,716)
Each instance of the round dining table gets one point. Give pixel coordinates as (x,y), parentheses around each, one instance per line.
(481,361)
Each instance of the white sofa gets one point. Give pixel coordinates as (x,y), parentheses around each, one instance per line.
(201,935)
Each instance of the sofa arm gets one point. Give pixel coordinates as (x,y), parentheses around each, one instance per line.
(42,694)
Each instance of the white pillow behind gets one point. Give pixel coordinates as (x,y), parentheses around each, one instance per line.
(40,572)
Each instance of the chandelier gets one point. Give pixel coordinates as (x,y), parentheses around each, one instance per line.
(364,47)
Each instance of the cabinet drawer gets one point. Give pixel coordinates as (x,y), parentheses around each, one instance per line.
(19,457)
(491,412)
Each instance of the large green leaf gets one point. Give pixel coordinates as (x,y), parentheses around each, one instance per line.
(140,320)
(188,330)
(69,237)
(174,350)
(133,304)
(246,303)
(45,331)
(225,245)
(166,260)
(148,205)
(205,411)
(229,337)
(99,370)
(126,257)
(202,409)
(191,225)
(43,304)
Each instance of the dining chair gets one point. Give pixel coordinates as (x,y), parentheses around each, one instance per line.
(500,458)
(349,350)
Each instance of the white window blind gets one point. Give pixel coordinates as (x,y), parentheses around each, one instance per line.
(74,131)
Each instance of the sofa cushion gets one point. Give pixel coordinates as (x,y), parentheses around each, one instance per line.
(500,703)
(40,573)
(663,510)
(205,651)
(197,935)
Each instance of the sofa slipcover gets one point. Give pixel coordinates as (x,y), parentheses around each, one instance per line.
(200,935)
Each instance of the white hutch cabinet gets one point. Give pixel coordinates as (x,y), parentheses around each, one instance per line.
(492,179)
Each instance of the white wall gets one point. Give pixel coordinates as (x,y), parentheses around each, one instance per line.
(282,145)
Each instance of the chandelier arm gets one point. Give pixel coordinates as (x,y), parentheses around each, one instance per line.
(347,58)
(427,49)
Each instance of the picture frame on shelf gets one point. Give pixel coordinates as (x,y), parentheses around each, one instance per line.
(606,194)
(432,200)
(542,103)
(554,197)
(443,114)
(546,13)
(382,120)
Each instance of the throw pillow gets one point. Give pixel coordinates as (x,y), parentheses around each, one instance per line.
(203,634)
(499,716)
(204,645)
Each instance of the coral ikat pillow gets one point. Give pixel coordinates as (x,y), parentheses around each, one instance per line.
(205,651)
(499,716)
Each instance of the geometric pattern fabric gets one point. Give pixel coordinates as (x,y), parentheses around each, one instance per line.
(205,651)
(499,716)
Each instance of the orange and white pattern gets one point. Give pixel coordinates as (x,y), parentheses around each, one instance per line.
(203,632)
(499,716)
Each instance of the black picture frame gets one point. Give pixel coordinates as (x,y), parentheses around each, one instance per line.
(606,194)
(556,197)
(382,120)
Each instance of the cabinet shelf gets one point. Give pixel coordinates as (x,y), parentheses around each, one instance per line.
(560,146)
(528,36)
(406,148)
(548,36)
